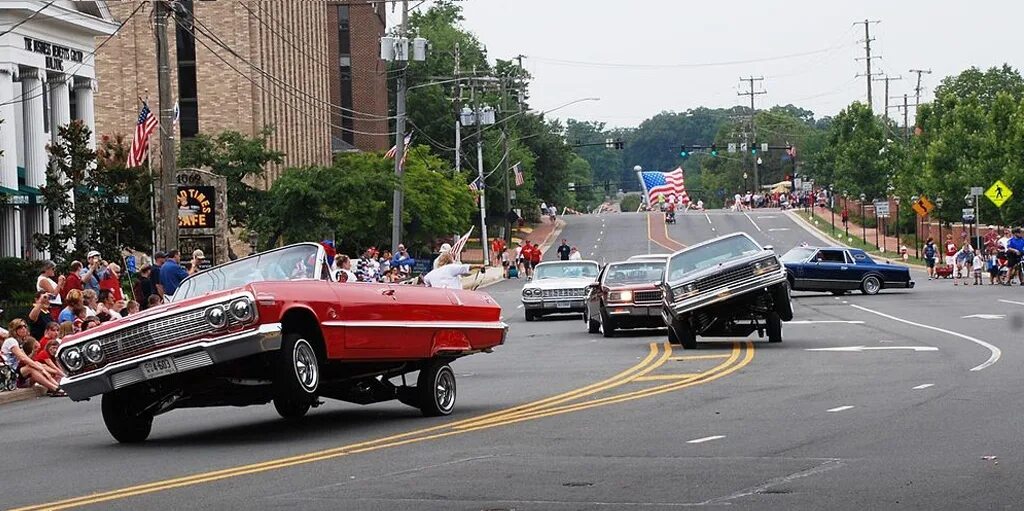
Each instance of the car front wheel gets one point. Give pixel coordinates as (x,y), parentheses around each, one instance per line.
(782,301)
(774,327)
(436,389)
(298,376)
(684,334)
(593,325)
(871,285)
(123,420)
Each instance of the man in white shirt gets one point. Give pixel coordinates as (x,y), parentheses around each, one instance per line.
(574,254)
(444,250)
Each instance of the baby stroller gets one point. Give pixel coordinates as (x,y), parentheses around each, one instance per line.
(8,378)
(670,217)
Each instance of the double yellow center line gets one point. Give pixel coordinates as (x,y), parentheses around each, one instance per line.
(575,400)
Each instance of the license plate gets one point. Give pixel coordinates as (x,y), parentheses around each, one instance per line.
(563,305)
(157,368)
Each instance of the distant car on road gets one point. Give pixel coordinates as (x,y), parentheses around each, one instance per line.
(725,287)
(626,295)
(559,287)
(839,270)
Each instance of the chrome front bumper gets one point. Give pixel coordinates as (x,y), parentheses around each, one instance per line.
(187,357)
(726,292)
(578,304)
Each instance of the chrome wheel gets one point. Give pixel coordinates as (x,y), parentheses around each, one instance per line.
(871,285)
(435,389)
(445,390)
(307,372)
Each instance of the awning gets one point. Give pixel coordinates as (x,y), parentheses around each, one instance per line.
(23,196)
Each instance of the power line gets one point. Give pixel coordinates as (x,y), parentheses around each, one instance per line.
(750,81)
(918,89)
(867,54)
(887,79)
(682,65)
(26,20)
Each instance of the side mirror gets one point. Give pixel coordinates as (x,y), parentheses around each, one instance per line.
(769,247)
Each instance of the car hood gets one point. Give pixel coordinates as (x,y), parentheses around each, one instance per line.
(560,283)
(725,265)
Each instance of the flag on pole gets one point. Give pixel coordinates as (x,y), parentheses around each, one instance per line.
(460,244)
(520,180)
(145,127)
(394,149)
(476,185)
(665,183)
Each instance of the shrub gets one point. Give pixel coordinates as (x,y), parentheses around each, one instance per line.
(631,202)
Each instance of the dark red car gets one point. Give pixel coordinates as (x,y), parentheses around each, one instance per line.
(626,296)
(276,327)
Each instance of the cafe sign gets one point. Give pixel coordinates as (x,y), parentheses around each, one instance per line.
(196,207)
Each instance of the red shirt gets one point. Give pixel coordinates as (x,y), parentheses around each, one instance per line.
(71,281)
(951,249)
(112,283)
(41,355)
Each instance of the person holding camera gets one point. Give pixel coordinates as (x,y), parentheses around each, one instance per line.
(46,284)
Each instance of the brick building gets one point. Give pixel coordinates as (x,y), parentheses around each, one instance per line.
(245,65)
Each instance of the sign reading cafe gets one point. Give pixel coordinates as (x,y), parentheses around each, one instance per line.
(196,207)
(55,53)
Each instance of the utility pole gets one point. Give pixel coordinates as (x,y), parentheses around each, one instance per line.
(918,89)
(887,79)
(505,152)
(480,177)
(906,117)
(168,188)
(867,54)
(399,198)
(458,109)
(753,133)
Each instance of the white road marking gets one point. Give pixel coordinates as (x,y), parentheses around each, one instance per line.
(840,409)
(858,349)
(766,217)
(984,316)
(708,217)
(705,439)
(924,386)
(778,229)
(520,306)
(591,253)
(1011,302)
(996,353)
(824,322)
(598,239)
(595,246)
(753,222)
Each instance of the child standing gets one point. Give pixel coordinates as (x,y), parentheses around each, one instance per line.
(979,263)
(993,266)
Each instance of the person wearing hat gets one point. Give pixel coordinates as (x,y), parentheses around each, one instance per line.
(449,273)
(90,274)
(172,273)
(445,248)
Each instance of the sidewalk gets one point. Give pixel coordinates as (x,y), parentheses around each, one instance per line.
(21,394)
(890,243)
(822,228)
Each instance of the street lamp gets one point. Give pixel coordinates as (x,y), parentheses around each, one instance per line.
(896,199)
(938,206)
(969,200)
(639,174)
(832,206)
(744,180)
(863,221)
(846,208)
(917,225)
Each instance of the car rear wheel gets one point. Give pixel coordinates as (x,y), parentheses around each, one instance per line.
(871,285)
(124,421)
(436,389)
(298,376)
(684,334)
(773,327)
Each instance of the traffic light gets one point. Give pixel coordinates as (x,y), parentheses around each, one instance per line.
(753,149)
(684,152)
(714,150)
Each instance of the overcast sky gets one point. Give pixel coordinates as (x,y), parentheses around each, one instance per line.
(645,56)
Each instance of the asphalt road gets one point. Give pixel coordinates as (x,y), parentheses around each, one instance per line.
(560,419)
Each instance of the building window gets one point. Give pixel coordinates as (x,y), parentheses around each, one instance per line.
(346,102)
(344,35)
(188,90)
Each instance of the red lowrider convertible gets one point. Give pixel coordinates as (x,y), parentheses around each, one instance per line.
(276,327)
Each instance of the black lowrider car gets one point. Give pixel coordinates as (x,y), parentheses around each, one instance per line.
(838,270)
(727,286)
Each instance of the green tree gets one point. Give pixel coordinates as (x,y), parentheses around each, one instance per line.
(859,156)
(241,159)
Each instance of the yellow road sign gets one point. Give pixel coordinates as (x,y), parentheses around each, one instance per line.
(999,193)
(923,206)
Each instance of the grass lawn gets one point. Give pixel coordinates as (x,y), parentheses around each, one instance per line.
(855,241)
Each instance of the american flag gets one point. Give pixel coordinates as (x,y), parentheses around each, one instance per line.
(394,149)
(140,143)
(665,183)
(476,185)
(460,244)
(519,175)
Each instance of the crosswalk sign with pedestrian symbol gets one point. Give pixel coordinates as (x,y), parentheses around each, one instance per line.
(999,193)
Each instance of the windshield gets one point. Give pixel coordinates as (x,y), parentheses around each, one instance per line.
(566,271)
(797,255)
(291,263)
(634,273)
(706,256)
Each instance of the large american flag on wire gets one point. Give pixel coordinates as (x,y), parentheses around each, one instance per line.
(145,127)
(520,180)
(665,183)
(460,244)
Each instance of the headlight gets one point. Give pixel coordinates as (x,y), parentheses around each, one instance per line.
(620,296)
(72,359)
(242,310)
(216,317)
(766,266)
(93,352)
(684,291)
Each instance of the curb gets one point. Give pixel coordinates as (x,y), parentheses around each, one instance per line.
(803,223)
(21,394)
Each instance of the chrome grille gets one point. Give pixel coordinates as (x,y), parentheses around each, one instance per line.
(647,296)
(138,339)
(192,361)
(564,293)
(720,279)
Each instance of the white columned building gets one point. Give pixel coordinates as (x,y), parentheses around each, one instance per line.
(47,78)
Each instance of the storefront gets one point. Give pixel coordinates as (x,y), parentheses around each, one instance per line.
(47,79)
